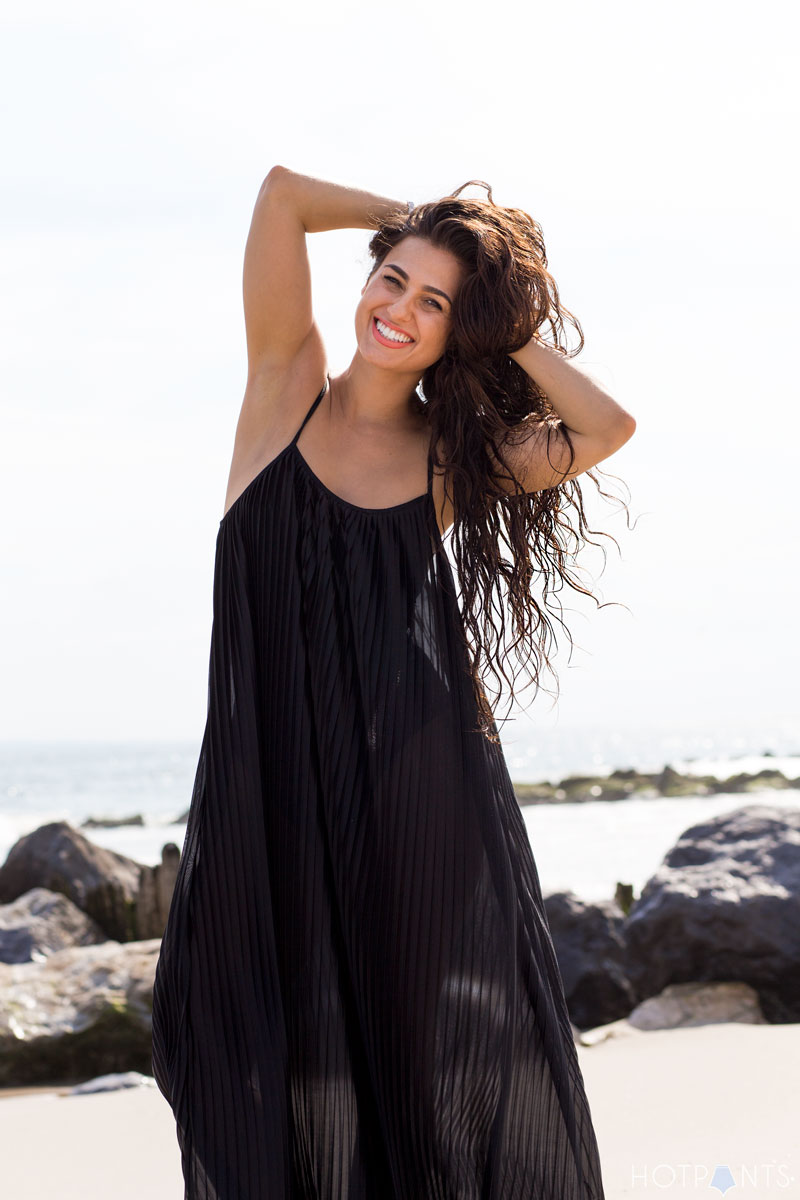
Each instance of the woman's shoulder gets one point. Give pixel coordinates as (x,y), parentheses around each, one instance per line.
(276,399)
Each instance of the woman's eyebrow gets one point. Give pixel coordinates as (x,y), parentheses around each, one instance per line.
(426,287)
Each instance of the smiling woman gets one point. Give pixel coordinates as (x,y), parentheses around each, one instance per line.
(405,311)
(357,994)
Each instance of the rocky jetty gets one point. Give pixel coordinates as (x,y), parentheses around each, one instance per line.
(714,936)
(632,784)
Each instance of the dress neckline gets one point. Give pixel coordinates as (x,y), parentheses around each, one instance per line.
(349,503)
(293,447)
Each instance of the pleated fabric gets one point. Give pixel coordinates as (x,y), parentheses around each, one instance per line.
(357,996)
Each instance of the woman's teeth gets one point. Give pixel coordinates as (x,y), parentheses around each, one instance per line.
(386,332)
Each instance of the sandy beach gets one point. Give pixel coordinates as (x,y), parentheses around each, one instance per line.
(693,1111)
(671,1106)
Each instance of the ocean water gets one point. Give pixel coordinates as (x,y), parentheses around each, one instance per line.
(585,848)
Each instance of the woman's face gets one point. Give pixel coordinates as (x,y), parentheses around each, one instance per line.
(404,316)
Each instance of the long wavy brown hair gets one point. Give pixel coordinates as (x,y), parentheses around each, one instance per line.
(475,396)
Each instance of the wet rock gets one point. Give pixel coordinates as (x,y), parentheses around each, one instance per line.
(83,1012)
(39,923)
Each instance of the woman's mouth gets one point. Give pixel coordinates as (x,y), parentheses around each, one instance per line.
(387,336)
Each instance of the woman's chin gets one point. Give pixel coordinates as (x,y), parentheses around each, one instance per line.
(391,360)
(385,359)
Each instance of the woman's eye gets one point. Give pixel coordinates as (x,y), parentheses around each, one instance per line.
(392,279)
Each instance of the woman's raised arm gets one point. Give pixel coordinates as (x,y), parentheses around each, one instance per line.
(596,424)
(277,277)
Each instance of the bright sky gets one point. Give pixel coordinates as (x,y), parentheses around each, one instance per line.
(651,143)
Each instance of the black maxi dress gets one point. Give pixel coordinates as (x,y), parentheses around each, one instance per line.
(357,996)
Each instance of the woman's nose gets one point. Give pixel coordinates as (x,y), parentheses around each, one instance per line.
(399,311)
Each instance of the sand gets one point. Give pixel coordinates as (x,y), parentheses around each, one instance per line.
(670,1108)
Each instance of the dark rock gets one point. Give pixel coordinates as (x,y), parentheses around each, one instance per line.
(725,906)
(128,900)
(591,957)
(111,822)
(58,857)
(41,922)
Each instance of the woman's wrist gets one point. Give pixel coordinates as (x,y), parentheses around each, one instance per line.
(322,205)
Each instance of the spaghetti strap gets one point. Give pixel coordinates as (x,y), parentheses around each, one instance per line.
(310,411)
